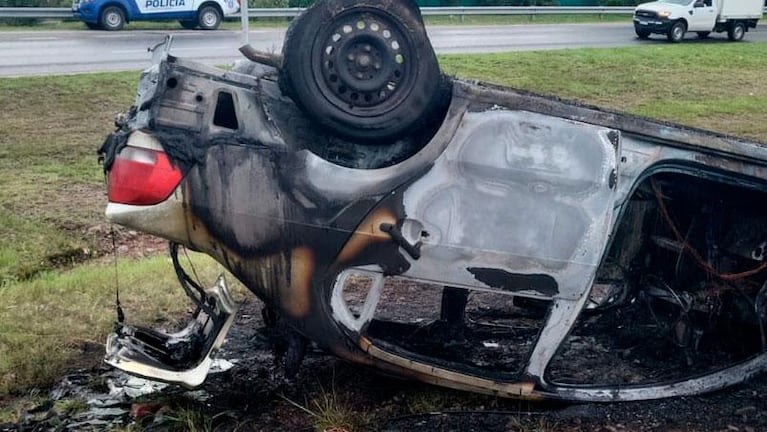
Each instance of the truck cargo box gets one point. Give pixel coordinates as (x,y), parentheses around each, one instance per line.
(740,9)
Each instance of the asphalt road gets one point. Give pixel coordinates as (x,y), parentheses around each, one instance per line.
(64,52)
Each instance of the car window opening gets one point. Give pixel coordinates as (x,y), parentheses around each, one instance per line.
(226,115)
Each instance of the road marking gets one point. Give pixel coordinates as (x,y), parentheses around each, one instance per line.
(174,49)
(33,39)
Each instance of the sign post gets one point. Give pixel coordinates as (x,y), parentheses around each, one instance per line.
(245,22)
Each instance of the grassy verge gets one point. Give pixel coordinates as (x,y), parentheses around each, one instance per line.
(283,22)
(52,192)
(718,87)
(60,319)
(53,188)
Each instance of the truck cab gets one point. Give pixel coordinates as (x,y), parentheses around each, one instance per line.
(674,18)
(192,14)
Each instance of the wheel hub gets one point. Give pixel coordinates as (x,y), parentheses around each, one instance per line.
(209,18)
(364,60)
(113,19)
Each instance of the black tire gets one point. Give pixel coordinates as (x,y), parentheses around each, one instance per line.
(737,31)
(363,70)
(676,32)
(112,18)
(93,26)
(189,25)
(642,34)
(209,18)
(703,35)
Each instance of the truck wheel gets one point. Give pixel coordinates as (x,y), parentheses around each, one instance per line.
(209,18)
(642,34)
(703,35)
(363,70)
(112,18)
(189,25)
(677,31)
(737,31)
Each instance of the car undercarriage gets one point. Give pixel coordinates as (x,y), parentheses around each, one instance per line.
(454,232)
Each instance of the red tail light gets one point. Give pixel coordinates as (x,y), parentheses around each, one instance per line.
(141,176)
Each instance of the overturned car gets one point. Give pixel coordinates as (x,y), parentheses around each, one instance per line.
(466,235)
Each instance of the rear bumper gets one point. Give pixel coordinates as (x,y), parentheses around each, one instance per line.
(181,358)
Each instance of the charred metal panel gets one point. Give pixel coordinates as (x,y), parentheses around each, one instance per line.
(541,283)
(518,192)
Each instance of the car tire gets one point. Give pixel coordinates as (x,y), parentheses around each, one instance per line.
(703,35)
(643,34)
(189,25)
(363,70)
(112,18)
(209,18)
(676,32)
(737,31)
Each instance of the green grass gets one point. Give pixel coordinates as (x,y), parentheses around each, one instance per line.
(50,128)
(59,319)
(53,190)
(256,23)
(716,86)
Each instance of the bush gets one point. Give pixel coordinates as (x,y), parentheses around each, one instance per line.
(30,3)
(301,3)
(35,3)
(268,3)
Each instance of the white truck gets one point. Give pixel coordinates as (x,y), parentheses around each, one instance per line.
(674,18)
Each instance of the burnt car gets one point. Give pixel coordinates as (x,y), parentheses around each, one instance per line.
(472,236)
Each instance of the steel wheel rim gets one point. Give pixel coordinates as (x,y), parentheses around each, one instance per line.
(113,19)
(738,32)
(209,18)
(678,32)
(365,60)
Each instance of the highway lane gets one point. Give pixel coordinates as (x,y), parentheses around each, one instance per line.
(63,52)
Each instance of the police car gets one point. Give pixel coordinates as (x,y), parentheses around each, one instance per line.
(113,14)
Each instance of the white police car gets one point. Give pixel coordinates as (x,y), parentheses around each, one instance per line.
(113,14)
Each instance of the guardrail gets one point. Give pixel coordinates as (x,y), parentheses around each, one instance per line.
(35,12)
(61,13)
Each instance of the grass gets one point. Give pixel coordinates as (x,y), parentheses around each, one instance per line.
(52,192)
(59,319)
(331,411)
(256,23)
(717,86)
(190,420)
(50,128)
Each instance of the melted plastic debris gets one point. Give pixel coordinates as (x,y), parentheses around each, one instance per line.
(221,365)
(110,399)
(133,387)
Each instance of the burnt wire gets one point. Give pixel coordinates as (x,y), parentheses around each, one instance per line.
(118,306)
(684,310)
(191,265)
(188,284)
(760,305)
(703,263)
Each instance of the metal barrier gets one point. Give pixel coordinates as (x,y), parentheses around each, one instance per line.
(61,13)
(35,12)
